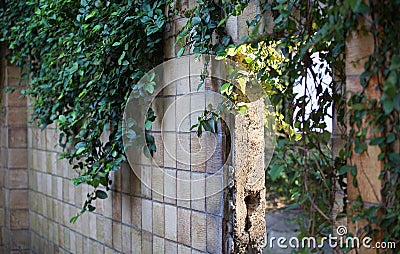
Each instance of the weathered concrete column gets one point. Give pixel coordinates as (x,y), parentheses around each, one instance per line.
(249,182)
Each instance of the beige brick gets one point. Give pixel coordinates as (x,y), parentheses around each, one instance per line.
(17,158)
(173,72)
(17,138)
(126,239)
(67,238)
(108,227)
(19,219)
(51,139)
(199,231)
(16,99)
(183,249)
(117,235)
(108,250)
(136,184)
(86,245)
(19,199)
(126,172)
(17,179)
(72,242)
(358,47)
(198,153)
(368,171)
(158,219)
(48,184)
(136,242)
(54,186)
(126,209)
(214,234)
(170,247)
(169,48)
(17,117)
(158,245)
(20,239)
(183,189)
(92,225)
(197,105)
(117,180)
(169,140)
(50,208)
(158,157)
(169,117)
(183,151)
(56,236)
(96,247)
(3,157)
(147,210)
(183,85)
(33,182)
(101,231)
(13,72)
(214,152)
(198,191)
(184,232)
(170,186)
(214,194)
(78,243)
(147,242)
(117,206)
(171,222)
(146,173)
(158,108)
(136,212)
(158,184)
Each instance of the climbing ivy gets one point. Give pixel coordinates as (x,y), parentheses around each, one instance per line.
(309,37)
(83,58)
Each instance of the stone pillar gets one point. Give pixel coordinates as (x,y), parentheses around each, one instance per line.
(14,163)
(248,191)
(249,180)
(359,46)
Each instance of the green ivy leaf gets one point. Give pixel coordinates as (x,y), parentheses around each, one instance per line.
(276,171)
(181,51)
(388,106)
(376,141)
(101,194)
(80,150)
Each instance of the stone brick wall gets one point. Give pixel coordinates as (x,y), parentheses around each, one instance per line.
(14,209)
(171,210)
(175,204)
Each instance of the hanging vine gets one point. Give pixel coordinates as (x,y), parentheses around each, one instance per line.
(83,58)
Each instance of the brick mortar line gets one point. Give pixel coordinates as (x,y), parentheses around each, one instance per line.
(151,200)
